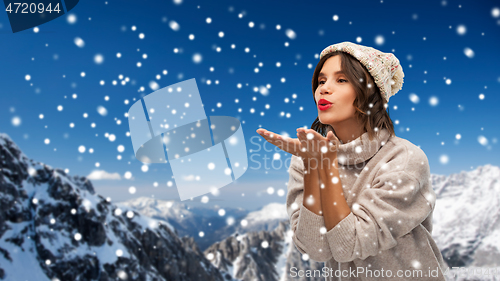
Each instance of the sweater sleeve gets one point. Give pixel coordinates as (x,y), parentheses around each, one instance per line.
(305,224)
(391,208)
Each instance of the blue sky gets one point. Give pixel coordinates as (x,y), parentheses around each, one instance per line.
(448,51)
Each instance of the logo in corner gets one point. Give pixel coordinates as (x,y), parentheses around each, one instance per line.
(27,14)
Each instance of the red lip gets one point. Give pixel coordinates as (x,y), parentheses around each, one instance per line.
(324,104)
(323,101)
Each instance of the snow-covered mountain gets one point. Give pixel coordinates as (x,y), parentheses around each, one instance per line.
(261,250)
(55,227)
(193,221)
(261,255)
(467,217)
(267,218)
(200,223)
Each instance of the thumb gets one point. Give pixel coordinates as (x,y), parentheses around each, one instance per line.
(333,137)
(330,136)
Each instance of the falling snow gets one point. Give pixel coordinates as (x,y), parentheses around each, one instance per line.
(264,89)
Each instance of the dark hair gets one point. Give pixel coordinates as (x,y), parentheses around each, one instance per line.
(370,117)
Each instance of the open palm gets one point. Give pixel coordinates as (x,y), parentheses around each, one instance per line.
(287,144)
(312,147)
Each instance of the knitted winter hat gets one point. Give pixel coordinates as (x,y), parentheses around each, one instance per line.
(384,67)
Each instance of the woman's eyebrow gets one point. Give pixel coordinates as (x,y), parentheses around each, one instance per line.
(336,73)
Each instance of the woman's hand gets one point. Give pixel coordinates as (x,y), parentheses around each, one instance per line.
(316,146)
(304,147)
(287,144)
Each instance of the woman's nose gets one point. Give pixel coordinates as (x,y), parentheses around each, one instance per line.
(325,90)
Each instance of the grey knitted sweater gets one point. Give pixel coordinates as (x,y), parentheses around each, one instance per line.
(386,183)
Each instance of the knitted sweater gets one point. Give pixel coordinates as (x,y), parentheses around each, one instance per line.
(387,186)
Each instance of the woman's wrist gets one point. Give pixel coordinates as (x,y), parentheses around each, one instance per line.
(307,165)
(312,198)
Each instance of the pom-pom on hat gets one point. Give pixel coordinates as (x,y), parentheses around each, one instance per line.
(384,67)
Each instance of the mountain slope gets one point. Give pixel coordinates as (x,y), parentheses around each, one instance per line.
(55,227)
(189,221)
(467,217)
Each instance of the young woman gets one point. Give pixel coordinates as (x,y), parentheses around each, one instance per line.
(359,197)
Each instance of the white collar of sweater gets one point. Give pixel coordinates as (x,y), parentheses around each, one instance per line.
(361,149)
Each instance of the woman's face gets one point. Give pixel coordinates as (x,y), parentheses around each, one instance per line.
(334,87)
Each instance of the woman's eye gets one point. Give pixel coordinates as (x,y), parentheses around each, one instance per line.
(319,83)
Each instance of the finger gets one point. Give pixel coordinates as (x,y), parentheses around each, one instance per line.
(261,131)
(304,143)
(307,135)
(302,136)
(275,141)
(308,131)
(274,136)
(314,133)
(330,135)
(334,139)
(307,143)
(269,134)
(316,136)
(334,142)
